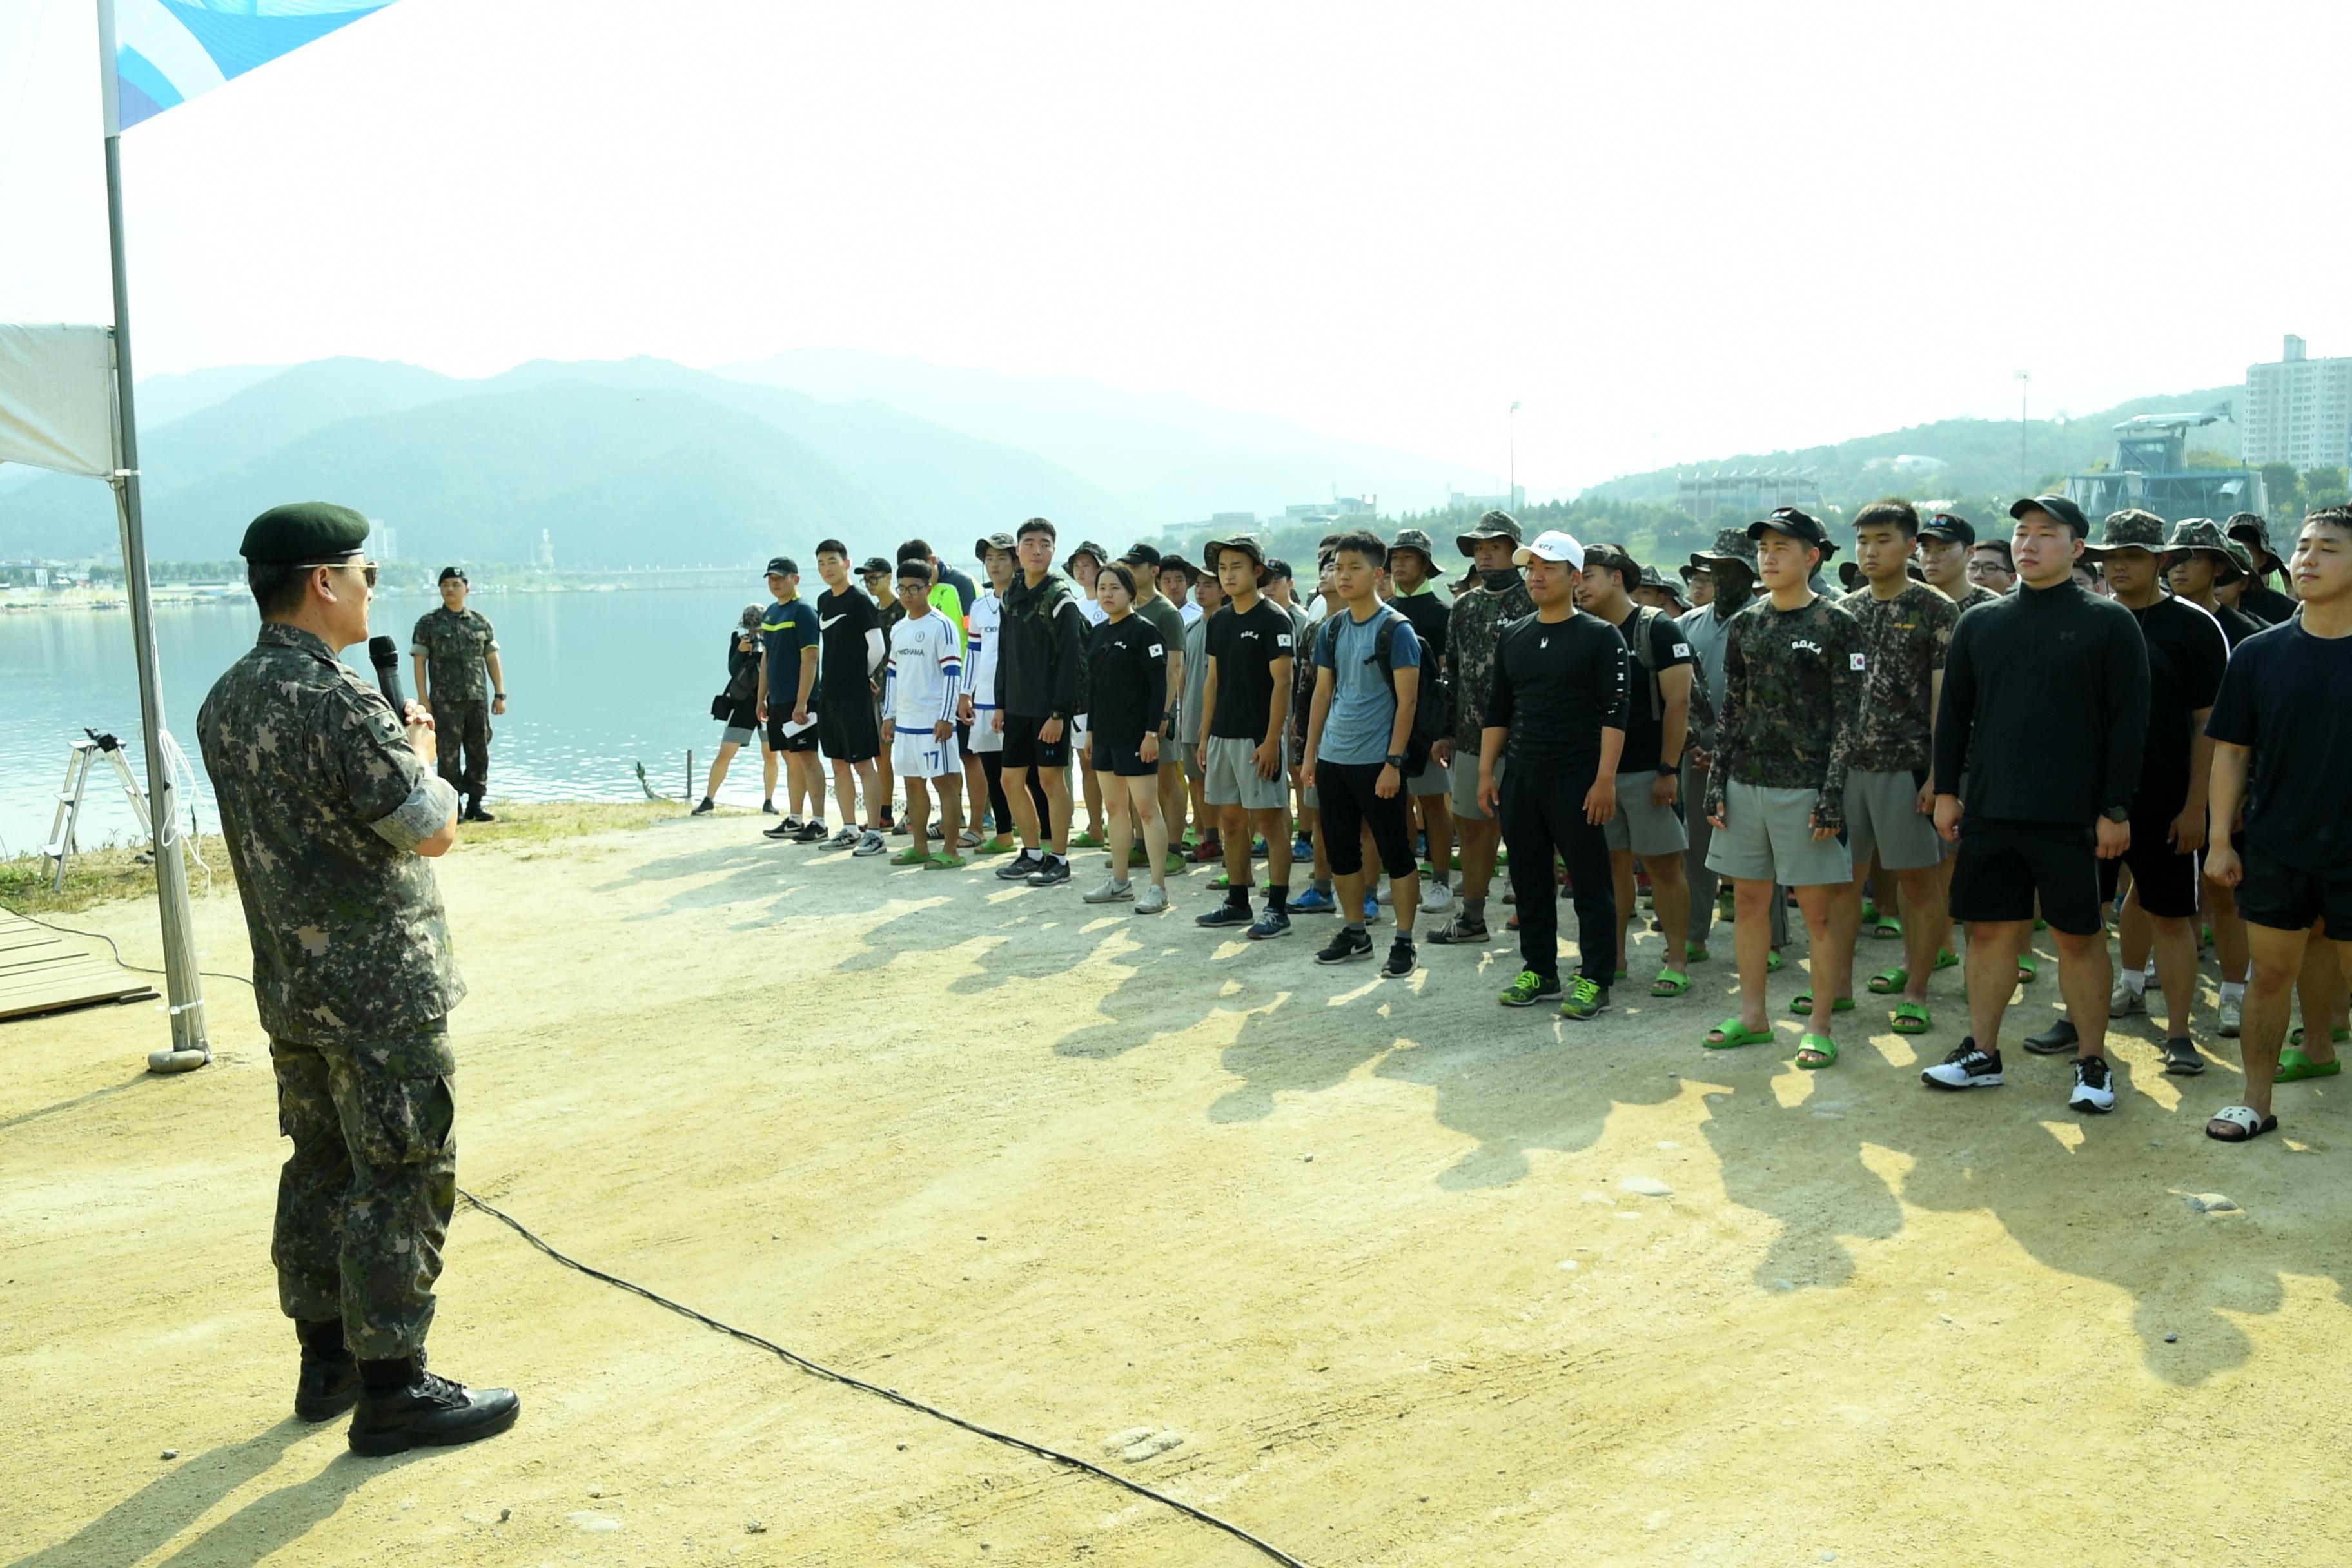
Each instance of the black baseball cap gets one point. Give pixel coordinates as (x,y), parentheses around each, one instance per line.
(456,573)
(2059,506)
(874,567)
(782,566)
(1948,528)
(1798,525)
(1277,569)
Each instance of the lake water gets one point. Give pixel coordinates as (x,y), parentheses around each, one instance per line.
(596,682)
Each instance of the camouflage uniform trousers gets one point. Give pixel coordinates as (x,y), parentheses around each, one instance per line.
(364,1203)
(463,726)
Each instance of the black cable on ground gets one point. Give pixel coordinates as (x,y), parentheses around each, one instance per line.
(1052,1455)
(124,962)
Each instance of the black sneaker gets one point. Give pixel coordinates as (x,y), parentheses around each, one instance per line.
(811,832)
(1464,928)
(1225,914)
(2058,1040)
(1272,923)
(706,808)
(1346,947)
(785,829)
(429,1411)
(1402,960)
(2094,1087)
(1966,1068)
(1019,868)
(1053,873)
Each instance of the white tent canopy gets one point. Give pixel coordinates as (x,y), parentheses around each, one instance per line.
(57,398)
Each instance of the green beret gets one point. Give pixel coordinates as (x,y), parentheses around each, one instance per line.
(304,530)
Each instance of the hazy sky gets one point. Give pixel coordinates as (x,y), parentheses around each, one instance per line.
(1672,231)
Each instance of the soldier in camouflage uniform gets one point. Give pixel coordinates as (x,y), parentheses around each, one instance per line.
(1471,634)
(1945,544)
(1793,674)
(451,646)
(328,813)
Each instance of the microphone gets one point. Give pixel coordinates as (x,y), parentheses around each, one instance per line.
(385,654)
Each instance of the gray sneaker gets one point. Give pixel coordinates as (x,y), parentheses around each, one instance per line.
(845,839)
(1112,892)
(868,843)
(1154,901)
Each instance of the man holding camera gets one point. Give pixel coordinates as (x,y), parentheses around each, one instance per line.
(330,810)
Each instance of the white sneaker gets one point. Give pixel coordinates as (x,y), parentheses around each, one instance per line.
(1965,1068)
(1386,894)
(868,843)
(2232,1015)
(2124,1001)
(2095,1087)
(1153,901)
(1437,898)
(1111,892)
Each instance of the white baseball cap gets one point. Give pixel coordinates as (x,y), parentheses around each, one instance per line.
(1552,545)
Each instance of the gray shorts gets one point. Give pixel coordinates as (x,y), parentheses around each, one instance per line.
(1433,780)
(1232,777)
(1464,772)
(1188,755)
(1882,816)
(1767,836)
(738,735)
(1641,825)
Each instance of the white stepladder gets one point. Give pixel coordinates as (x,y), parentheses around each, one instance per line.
(78,764)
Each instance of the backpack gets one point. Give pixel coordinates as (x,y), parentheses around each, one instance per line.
(1702,702)
(1046,607)
(1432,713)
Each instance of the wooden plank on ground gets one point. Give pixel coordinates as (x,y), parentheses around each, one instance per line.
(42,970)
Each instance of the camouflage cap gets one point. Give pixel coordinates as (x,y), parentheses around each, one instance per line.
(2255,535)
(1732,545)
(1085,547)
(1248,543)
(1000,539)
(1415,539)
(2194,534)
(304,530)
(1653,578)
(2130,528)
(1496,524)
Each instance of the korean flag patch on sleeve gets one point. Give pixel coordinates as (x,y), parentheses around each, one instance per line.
(1282,639)
(1857,661)
(1682,650)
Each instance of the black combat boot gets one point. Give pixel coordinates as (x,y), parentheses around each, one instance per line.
(474,812)
(330,1382)
(403,1406)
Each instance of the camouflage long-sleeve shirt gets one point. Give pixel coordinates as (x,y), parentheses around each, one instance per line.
(322,803)
(456,646)
(1791,708)
(1471,636)
(1904,639)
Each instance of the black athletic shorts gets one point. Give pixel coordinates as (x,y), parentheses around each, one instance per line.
(780,742)
(847,729)
(2285,895)
(1352,802)
(1125,761)
(2002,865)
(1023,749)
(2167,881)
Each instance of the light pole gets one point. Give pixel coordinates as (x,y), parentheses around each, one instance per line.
(2024,390)
(1511,480)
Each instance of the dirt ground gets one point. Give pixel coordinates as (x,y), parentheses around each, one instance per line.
(1388,1274)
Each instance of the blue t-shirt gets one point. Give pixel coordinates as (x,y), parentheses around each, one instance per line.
(784,630)
(1362,719)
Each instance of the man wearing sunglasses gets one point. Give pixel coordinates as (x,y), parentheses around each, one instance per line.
(450,647)
(329,810)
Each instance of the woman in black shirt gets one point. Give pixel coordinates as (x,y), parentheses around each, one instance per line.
(1126,683)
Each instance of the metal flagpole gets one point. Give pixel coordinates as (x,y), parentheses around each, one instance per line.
(182,990)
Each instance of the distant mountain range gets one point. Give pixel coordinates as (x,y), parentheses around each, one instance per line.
(1967,458)
(645,462)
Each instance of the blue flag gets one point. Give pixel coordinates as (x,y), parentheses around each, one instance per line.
(167,51)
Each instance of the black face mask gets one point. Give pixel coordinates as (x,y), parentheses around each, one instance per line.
(1501,582)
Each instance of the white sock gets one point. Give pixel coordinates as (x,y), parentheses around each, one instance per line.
(2233,991)
(2147,970)
(2134,981)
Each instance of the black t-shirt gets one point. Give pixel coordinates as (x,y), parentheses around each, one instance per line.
(1646,735)
(843,666)
(1245,647)
(1557,685)
(2186,655)
(2283,695)
(1430,612)
(2236,625)
(962,585)
(1127,670)
(2266,605)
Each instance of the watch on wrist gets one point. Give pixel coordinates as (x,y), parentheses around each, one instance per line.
(1396,760)
(2117,813)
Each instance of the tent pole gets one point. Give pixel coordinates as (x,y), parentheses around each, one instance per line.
(183,989)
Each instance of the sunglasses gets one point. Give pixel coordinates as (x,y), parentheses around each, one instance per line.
(367,568)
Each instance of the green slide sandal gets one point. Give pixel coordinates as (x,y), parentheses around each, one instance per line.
(1774,963)
(1888,981)
(1887,929)
(1732,1033)
(1912,1018)
(1802,1002)
(2295,1067)
(1820,1048)
(1670,982)
(2029,968)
